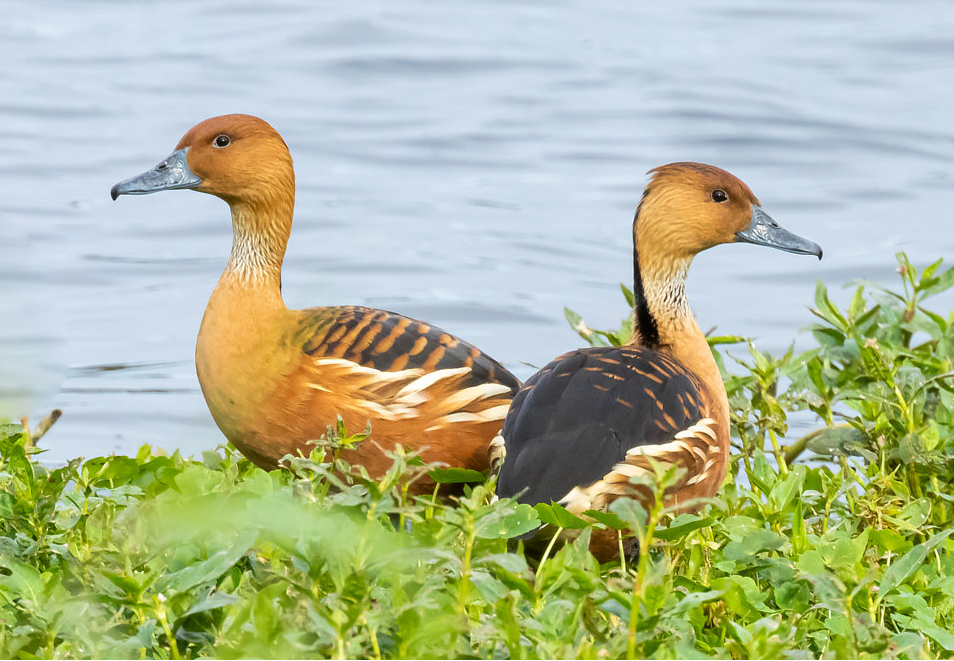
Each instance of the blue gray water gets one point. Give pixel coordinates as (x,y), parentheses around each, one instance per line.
(473,164)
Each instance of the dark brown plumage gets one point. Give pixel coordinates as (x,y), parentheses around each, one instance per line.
(389,342)
(607,400)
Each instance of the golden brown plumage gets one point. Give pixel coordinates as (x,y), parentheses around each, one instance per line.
(584,425)
(275,378)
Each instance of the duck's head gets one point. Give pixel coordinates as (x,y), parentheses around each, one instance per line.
(689,207)
(239,158)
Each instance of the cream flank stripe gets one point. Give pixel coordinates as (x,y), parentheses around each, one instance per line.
(406,402)
(616,483)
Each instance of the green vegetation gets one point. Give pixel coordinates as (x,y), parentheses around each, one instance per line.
(843,551)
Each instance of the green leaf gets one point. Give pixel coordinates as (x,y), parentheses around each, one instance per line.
(628,295)
(695,599)
(786,489)
(513,580)
(682,525)
(943,638)
(557,515)
(521,520)
(929,270)
(211,568)
(128,584)
(827,310)
(7,506)
(715,340)
(211,601)
(812,563)
(456,475)
(742,595)
(575,319)
(752,544)
(846,552)
(907,564)
(799,538)
(908,645)
(939,321)
(875,364)
(888,540)
(828,337)
(793,595)
(119,470)
(23,582)
(914,514)
(492,589)
(939,284)
(861,321)
(608,519)
(511,562)
(837,442)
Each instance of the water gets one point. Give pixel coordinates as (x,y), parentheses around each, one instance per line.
(476,165)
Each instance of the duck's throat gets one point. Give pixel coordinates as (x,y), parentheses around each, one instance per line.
(661,311)
(259,241)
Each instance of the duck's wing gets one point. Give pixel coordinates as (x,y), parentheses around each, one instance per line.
(390,342)
(400,368)
(584,424)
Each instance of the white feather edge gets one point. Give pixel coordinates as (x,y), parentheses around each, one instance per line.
(412,394)
(580,499)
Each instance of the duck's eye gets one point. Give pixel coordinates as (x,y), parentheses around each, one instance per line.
(222,141)
(719,195)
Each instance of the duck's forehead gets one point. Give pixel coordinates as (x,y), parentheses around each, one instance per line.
(233,125)
(703,176)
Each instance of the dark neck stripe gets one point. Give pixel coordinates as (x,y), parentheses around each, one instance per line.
(646,328)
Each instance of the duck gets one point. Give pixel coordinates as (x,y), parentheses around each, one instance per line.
(587,423)
(275,379)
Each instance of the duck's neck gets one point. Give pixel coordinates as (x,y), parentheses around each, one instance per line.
(259,238)
(662,318)
(661,313)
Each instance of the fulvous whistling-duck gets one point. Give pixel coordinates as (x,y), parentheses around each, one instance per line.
(275,378)
(582,426)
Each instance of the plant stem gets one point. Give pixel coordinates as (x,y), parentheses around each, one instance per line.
(645,541)
(779,455)
(793,451)
(164,623)
(462,594)
(546,553)
(622,556)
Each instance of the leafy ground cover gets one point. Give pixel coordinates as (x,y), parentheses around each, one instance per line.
(844,550)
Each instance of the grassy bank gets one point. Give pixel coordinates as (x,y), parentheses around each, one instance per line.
(846,555)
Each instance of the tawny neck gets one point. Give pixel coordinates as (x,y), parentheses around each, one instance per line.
(259,239)
(662,318)
(661,312)
(661,307)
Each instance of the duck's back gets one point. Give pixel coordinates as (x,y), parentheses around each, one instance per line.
(598,409)
(391,342)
